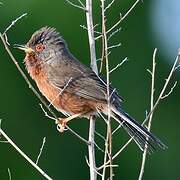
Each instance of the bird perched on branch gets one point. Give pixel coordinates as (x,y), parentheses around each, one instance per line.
(74,89)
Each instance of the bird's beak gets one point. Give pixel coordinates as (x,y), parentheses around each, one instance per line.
(24,48)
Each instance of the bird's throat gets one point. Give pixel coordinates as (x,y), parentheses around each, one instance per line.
(33,65)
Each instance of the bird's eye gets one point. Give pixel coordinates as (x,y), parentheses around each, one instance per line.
(40,47)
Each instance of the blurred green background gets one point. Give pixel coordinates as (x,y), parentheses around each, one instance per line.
(64,155)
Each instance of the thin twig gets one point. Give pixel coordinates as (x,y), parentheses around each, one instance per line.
(124,17)
(81,3)
(10,26)
(61,91)
(113,33)
(100,149)
(114,46)
(108,142)
(41,150)
(102,116)
(100,135)
(109,5)
(117,154)
(9,174)
(119,126)
(151,116)
(121,18)
(171,90)
(13,23)
(46,114)
(84,27)
(118,65)
(164,87)
(90,167)
(77,6)
(4,142)
(43,173)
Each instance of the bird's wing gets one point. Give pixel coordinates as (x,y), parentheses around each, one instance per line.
(82,81)
(91,86)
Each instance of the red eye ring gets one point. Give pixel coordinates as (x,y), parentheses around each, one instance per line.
(40,47)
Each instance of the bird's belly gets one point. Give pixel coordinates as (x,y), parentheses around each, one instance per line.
(63,101)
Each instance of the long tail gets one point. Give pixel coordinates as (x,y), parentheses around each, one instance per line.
(141,135)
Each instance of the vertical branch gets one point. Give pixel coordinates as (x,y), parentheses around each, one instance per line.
(150,118)
(91,150)
(108,143)
(90,28)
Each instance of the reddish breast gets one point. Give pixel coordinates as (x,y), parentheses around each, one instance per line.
(61,100)
(37,72)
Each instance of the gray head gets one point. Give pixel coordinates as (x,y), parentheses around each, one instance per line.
(46,36)
(45,41)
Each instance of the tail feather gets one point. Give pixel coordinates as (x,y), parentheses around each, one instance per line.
(141,135)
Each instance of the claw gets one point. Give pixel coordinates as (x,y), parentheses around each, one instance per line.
(61,124)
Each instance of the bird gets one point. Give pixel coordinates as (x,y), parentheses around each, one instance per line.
(74,89)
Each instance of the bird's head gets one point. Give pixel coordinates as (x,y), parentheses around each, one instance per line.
(44,43)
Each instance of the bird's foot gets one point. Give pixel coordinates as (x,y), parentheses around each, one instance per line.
(61,124)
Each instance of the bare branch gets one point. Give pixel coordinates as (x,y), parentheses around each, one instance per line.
(171,90)
(109,5)
(91,149)
(100,135)
(177,67)
(4,142)
(84,27)
(118,65)
(82,4)
(151,116)
(25,156)
(61,91)
(14,22)
(10,26)
(101,115)
(114,46)
(100,149)
(41,150)
(113,33)
(164,87)
(108,142)
(92,47)
(92,167)
(124,17)
(46,114)
(89,19)
(120,19)
(119,126)
(9,174)
(82,7)
(117,154)
(149,71)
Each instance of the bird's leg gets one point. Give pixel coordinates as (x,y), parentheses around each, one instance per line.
(61,122)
